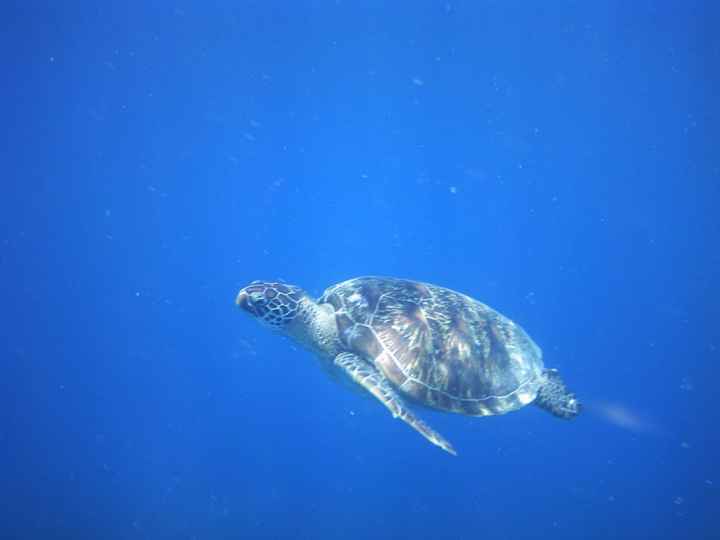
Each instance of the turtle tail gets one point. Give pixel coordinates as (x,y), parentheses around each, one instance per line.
(554,397)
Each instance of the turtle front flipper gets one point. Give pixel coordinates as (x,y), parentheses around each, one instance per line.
(374,382)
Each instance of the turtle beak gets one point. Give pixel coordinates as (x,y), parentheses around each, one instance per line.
(242,301)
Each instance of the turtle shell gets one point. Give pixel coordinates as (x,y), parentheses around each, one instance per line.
(439,347)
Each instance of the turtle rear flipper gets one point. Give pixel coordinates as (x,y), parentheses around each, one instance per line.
(554,397)
(374,382)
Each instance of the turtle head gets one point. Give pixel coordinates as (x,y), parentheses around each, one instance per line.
(274,304)
(290,310)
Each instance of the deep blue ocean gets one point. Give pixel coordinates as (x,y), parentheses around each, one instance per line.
(556,160)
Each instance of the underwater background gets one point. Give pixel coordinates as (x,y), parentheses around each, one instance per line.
(556,160)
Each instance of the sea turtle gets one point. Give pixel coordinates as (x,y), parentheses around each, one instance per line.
(402,339)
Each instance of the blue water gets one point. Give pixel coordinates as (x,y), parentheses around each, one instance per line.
(556,160)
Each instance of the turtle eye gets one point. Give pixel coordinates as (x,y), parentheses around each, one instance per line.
(257,298)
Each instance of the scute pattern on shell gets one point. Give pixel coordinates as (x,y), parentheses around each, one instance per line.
(444,349)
